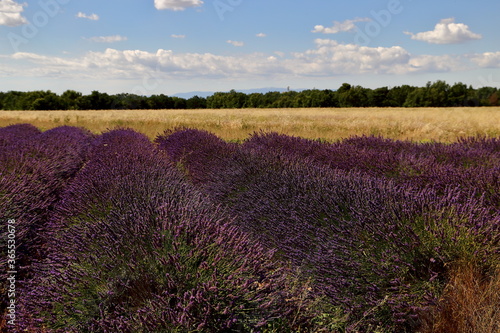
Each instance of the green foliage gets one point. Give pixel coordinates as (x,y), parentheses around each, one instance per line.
(354,97)
(436,94)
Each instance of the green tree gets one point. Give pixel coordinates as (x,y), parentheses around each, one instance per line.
(270,98)
(196,102)
(353,96)
(235,100)
(11,100)
(286,100)
(69,99)
(49,101)
(344,88)
(417,98)
(179,103)
(437,94)
(129,102)
(95,101)
(38,100)
(229,100)
(329,99)
(379,97)
(27,99)
(316,98)
(254,100)
(460,95)
(216,101)
(159,102)
(397,96)
(484,94)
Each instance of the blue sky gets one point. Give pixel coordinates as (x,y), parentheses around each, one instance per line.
(172,46)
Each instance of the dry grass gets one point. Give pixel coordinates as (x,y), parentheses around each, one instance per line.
(470,302)
(423,124)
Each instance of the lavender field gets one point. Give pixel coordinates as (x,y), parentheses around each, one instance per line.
(190,233)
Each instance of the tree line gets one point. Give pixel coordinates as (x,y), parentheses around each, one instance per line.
(434,94)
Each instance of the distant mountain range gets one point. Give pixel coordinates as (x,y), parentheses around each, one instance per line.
(190,94)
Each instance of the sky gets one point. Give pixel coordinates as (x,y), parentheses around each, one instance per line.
(150,47)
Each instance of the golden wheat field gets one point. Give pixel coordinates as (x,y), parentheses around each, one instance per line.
(416,124)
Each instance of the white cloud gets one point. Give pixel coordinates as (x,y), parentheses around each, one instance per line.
(108,39)
(487,60)
(43,60)
(136,64)
(10,13)
(235,43)
(261,35)
(167,64)
(333,58)
(446,32)
(345,26)
(178,36)
(177,5)
(328,58)
(438,64)
(92,17)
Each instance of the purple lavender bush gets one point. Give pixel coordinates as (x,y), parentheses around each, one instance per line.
(471,163)
(34,169)
(36,166)
(376,244)
(133,247)
(14,133)
(367,243)
(279,234)
(334,226)
(198,152)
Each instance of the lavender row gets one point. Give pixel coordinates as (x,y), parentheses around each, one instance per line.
(134,247)
(471,163)
(361,238)
(368,239)
(279,234)
(35,167)
(198,153)
(468,163)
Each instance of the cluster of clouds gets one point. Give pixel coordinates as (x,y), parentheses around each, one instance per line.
(11,13)
(10,10)
(345,26)
(236,43)
(100,39)
(92,17)
(445,32)
(327,58)
(107,39)
(177,5)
